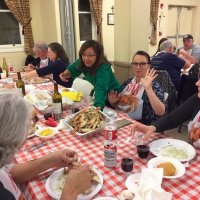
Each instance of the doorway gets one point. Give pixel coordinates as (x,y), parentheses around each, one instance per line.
(180,22)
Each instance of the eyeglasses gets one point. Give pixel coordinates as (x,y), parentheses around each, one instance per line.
(88,56)
(141,64)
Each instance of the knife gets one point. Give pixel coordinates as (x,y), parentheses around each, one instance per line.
(36,146)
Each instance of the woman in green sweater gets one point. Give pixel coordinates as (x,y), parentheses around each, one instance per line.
(96,69)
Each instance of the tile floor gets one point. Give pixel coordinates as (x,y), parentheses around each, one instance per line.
(183,135)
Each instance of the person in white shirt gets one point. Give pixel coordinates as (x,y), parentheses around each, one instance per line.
(41,51)
(190,50)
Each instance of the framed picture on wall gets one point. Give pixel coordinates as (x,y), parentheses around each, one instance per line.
(110,19)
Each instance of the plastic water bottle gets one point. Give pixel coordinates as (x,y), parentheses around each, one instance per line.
(110,143)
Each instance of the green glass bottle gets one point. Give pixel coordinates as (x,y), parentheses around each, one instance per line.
(20,84)
(5,67)
(57,103)
(1,71)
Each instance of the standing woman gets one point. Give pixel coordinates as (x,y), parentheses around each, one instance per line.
(58,63)
(143,96)
(96,69)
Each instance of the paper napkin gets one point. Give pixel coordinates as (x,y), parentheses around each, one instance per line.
(148,186)
(74,96)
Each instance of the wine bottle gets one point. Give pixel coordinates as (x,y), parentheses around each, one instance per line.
(20,84)
(57,103)
(1,71)
(5,67)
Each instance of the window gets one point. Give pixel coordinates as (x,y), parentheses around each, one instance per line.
(10,30)
(87,24)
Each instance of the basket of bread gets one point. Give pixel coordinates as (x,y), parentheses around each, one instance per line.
(86,122)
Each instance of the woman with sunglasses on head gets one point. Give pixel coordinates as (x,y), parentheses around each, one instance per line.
(140,96)
(96,69)
(189,110)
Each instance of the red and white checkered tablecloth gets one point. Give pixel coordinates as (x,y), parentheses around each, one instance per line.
(91,152)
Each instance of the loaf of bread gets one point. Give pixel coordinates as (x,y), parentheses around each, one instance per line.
(168,168)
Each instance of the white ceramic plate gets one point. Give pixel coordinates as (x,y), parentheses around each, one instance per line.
(54,131)
(184,151)
(37,95)
(67,90)
(180,168)
(51,184)
(132,181)
(33,132)
(39,80)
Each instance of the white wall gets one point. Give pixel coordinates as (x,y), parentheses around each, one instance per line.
(108,30)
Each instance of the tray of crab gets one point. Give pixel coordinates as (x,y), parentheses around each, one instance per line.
(86,122)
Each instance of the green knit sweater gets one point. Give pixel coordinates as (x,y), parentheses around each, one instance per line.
(103,81)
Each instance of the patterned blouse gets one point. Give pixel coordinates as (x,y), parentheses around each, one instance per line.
(148,115)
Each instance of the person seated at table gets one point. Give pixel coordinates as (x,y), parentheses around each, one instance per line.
(15,115)
(170,62)
(59,62)
(187,86)
(145,96)
(190,50)
(96,69)
(41,50)
(189,110)
(160,42)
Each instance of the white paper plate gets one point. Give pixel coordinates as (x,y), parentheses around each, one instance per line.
(180,168)
(157,148)
(51,181)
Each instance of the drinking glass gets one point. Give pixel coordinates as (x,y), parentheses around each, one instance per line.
(127,165)
(143,151)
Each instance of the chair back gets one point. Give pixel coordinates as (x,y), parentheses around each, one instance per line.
(168,87)
(83,86)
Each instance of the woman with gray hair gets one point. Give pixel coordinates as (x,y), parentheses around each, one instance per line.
(14,116)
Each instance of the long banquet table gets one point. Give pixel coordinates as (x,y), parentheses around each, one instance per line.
(90,151)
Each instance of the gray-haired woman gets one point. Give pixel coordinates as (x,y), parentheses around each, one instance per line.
(14,117)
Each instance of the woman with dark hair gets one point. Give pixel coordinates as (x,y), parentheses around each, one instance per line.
(96,69)
(58,63)
(140,96)
(160,42)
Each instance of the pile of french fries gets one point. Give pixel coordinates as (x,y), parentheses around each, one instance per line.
(87,120)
